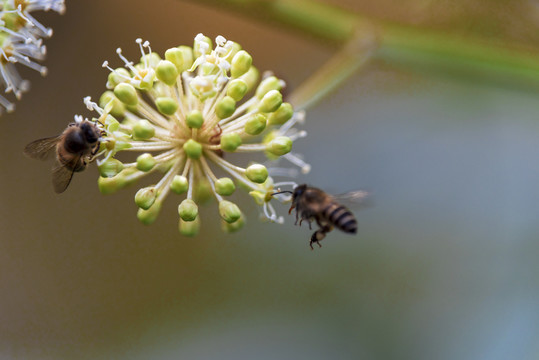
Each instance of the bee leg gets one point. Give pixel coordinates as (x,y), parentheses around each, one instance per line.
(300,221)
(290,210)
(319,235)
(310,226)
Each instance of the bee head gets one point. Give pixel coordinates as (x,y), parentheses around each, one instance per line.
(90,132)
(299,190)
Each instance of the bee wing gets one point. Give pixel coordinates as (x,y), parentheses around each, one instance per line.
(41,149)
(355,198)
(61,177)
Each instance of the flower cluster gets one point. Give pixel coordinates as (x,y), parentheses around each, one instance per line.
(185,114)
(21,38)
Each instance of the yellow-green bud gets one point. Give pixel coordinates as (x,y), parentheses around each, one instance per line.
(145,162)
(224,186)
(118,107)
(251,78)
(196,47)
(181,57)
(233,227)
(281,115)
(236,89)
(257,173)
(166,105)
(230,141)
(269,83)
(280,145)
(194,119)
(271,101)
(179,184)
(240,64)
(166,72)
(229,211)
(188,210)
(189,228)
(255,124)
(116,77)
(143,130)
(148,216)
(110,168)
(110,185)
(225,107)
(192,148)
(126,93)
(145,197)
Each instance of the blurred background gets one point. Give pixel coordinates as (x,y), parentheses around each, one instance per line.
(444,265)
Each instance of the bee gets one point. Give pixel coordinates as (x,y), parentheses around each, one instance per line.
(75,148)
(314,204)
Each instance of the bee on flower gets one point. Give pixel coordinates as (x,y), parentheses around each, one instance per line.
(21,37)
(184,116)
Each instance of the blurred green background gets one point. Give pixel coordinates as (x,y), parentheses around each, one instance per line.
(444,265)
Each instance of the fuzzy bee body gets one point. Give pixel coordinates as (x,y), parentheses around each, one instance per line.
(75,148)
(313,204)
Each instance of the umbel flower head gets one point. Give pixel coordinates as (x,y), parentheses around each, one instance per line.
(21,37)
(184,115)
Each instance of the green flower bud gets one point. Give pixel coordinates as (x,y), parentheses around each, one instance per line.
(271,101)
(148,216)
(196,47)
(145,197)
(143,130)
(236,89)
(269,83)
(145,162)
(109,185)
(179,184)
(251,78)
(192,148)
(281,115)
(126,93)
(188,210)
(224,186)
(166,72)
(116,77)
(255,124)
(257,173)
(230,142)
(181,57)
(280,145)
(189,228)
(240,64)
(233,227)
(203,191)
(194,119)
(229,211)
(225,107)
(110,168)
(166,105)
(118,107)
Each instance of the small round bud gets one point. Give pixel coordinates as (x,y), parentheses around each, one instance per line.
(179,184)
(116,77)
(271,101)
(257,173)
(166,105)
(236,89)
(188,210)
(118,107)
(203,191)
(225,107)
(145,197)
(233,227)
(110,168)
(181,57)
(143,130)
(194,119)
(166,72)
(148,216)
(192,148)
(189,228)
(225,186)
(279,146)
(126,93)
(230,142)
(281,115)
(240,64)
(145,162)
(255,124)
(251,78)
(269,83)
(229,211)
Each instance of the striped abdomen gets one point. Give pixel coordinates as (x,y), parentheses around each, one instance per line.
(340,217)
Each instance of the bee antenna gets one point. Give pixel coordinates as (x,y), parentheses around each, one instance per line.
(282,192)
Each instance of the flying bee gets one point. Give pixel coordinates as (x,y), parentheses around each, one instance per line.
(75,148)
(314,204)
